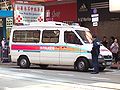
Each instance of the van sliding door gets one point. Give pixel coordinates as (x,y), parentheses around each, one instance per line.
(50,48)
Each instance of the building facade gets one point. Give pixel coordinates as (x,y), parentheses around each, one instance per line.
(5,22)
(108,22)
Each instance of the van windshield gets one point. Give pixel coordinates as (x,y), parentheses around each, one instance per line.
(85,36)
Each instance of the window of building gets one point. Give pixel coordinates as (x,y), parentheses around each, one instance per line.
(50,36)
(30,36)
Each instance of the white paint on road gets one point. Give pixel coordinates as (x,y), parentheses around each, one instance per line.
(10,76)
(107,85)
(58,87)
(24,75)
(100,78)
(63,74)
(53,85)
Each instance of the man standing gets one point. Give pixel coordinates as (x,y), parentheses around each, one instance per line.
(3,42)
(95,53)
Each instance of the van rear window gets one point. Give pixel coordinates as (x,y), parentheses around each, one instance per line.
(29,36)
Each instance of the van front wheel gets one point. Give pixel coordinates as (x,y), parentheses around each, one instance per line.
(82,64)
(24,62)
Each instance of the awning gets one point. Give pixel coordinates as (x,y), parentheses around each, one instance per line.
(6,13)
(12,1)
(42,0)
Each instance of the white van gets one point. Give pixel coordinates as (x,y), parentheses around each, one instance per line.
(54,43)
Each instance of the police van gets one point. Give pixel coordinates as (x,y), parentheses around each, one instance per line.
(54,43)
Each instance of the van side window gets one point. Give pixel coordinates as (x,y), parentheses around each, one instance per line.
(50,36)
(29,36)
(70,37)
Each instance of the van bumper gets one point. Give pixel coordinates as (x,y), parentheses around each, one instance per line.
(103,62)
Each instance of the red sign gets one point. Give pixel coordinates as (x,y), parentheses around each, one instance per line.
(62,12)
(49,0)
(12,1)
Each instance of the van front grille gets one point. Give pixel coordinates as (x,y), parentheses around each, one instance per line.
(107,57)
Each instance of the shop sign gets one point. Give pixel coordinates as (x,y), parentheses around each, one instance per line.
(114,5)
(95,17)
(26,14)
(9,21)
(83,8)
(84,19)
(95,23)
(61,12)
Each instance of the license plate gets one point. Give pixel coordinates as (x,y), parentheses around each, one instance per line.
(108,63)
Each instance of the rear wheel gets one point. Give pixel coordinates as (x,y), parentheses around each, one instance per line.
(43,66)
(24,62)
(82,64)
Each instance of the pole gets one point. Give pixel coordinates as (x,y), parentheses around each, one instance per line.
(4,27)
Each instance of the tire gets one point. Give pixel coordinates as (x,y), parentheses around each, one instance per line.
(24,62)
(101,69)
(82,65)
(43,66)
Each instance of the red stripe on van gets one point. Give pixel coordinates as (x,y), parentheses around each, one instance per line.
(25,47)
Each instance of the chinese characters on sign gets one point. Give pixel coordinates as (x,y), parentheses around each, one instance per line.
(26,14)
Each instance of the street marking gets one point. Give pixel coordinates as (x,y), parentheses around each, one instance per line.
(36,71)
(65,74)
(107,85)
(79,86)
(53,85)
(57,87)
(9,76)
(24,75)
(100,78)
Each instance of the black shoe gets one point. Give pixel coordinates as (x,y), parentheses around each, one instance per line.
(94,72)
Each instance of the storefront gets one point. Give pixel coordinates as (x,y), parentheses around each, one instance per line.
(108,22)
(61,12)
(81,10)
(4,27)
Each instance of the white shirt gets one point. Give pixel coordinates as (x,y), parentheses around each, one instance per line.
(3,43)
(114,47)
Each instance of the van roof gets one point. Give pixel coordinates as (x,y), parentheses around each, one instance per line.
(44,24)
(49,23)
(52,24)
(79,28)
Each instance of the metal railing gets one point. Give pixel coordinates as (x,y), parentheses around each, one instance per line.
(4,54)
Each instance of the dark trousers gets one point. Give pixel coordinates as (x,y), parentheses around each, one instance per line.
(95,63)
(115,56)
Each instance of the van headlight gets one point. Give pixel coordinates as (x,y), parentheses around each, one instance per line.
(100,56)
